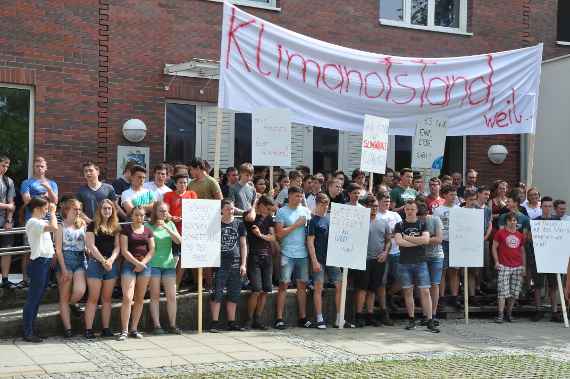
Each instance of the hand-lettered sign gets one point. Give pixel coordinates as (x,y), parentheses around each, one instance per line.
(429,143)
(551,242)
(271,137)
(374,144)
(201,233)
(466,231)
(348,236)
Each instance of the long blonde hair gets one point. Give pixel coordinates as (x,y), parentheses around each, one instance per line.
(78,222)
(154,213)
(109,227)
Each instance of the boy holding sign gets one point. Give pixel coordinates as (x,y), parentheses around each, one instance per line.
(509,255)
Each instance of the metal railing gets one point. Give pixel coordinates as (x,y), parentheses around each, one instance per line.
(14,250)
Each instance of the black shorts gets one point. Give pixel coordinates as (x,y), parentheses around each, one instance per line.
(259,272)
(373,278)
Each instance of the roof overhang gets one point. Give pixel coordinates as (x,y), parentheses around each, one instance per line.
(195,68)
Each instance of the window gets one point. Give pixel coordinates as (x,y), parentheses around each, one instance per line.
(16,109)
(325,149)
(403,152)
(563,24)
(242,150)
(448,16)
(180,132)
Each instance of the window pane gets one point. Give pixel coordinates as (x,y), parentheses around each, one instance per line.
(453,156)
(242,149)
(419,12)
(563,20)
(447,13)
(325,149)
(15,129)
(392,9)
(403,153)
(180,132)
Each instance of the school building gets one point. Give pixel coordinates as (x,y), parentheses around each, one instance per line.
(72,73)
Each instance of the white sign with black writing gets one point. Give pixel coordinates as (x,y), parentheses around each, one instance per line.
(466,232)
(201,233)
(429,143)
(551,242)
(374,144)
(271,137)
(348,236)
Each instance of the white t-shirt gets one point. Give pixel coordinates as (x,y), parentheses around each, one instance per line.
(392,218)
(40,242)
(533,212)
(158,191)
(443,213)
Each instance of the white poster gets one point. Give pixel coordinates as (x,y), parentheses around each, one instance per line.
(201,233)
(466,232)
(271,137)
(348,236)
(374,144)
(429,143)
(265,65)
(551,242)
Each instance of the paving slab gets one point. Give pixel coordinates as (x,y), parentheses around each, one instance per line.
(9,372)
(252,355)
(207,358)
(236,347)
(58,368)
(155,362)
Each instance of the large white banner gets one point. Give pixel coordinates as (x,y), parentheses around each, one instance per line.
(551,242)
(429,143)
(348,236)
(201,233)
(374,144)
(264,65)
(466,232)
(271,137)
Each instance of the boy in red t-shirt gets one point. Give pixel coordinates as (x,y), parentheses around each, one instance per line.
(509,255)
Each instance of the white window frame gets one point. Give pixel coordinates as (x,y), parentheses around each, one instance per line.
(270,5)
(31,122)
(407,22)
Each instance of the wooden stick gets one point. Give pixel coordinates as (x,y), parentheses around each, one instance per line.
(200,295)
(530,160)
(371,183)
(562,300)
(270,179)
(343,297)
(466,294)
(219,120)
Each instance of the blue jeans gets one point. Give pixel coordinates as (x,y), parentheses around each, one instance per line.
(299,266)
(435,267)
(38,272)
(414,273)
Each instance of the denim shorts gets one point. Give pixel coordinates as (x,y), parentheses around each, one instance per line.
(333,274)
(435,267)
(128,269)
(227,277)
(160,272)
(393,263)
(299,266)
(74,261)
(95,270)
(414,274)
(445,247)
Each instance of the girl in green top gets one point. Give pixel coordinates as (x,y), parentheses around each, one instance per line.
(163,266)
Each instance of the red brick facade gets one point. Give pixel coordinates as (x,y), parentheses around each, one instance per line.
(61,49)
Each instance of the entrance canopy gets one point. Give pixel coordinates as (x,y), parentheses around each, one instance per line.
(265,65)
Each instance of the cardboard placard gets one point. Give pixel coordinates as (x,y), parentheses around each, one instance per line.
(374,144)
(348,236)
(201,233)
(271,137)
(429,143)
(466,232)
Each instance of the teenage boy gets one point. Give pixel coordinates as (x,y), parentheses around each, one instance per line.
(174,201)
(523,222)
(231,178)
(203,184)
(368,282)
(261,231)
(354,191)
(434,200)
(334,191)
(290,224)
(449,273)
(7,208)
(470,184)
(243,192)
(94,191)
(359,177)
(137,195)
(392,282)
(542,280)
(38,186)
(418,184)
(295,179)
(232,268)
(403,192)
(560,210)
(158,187)
(123,183)
(509,256)
(412,236)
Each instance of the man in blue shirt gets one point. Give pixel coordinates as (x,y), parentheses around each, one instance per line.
(290,224)
(38,186)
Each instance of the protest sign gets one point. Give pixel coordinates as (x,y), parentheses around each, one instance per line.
(265,65)
(551,242)
(429,143)
(466,232)
(374,144)
(271,137)
(201,233)
(348,236)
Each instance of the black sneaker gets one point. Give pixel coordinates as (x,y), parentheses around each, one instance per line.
(33,339)
(280,324)
(107,333)
(435,321)
(304,323)
(385,318)
(215,327)
(8,285)
(369,319)
(360,321)
(258,325)
(499,320)
(432,327)
(411,324)
(321,324)
(234,326)
(67,333)
(509,318)
(174,330)
(89,334)
(423,321)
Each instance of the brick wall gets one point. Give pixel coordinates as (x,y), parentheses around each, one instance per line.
(55,48)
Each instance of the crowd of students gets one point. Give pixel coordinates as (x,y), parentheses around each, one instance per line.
(279,238)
